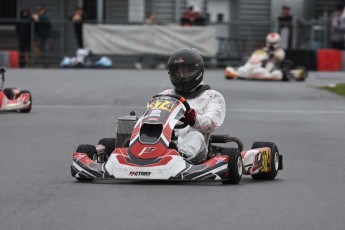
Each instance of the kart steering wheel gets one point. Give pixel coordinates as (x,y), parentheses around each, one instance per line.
(184,102)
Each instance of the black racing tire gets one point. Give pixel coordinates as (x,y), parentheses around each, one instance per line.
(305,73)
(28,109)
(274,163)
(109,144)
(90,151)
(235,165)
(9,93)
(229,78)
(285,67)
(285,77)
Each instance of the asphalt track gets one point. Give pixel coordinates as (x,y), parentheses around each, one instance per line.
(80,106)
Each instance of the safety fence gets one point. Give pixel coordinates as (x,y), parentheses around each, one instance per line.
(235,40)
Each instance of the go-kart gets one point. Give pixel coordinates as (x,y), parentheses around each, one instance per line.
(12,99)
(254,69)
(145,148)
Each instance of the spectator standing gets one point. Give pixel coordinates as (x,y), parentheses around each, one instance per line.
(150,19)
(78,18)
(285,24)
(337,29)
(198,18)
(23,30)
(43,29)
(188,17)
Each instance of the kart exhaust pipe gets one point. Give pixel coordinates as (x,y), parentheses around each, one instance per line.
(100,153)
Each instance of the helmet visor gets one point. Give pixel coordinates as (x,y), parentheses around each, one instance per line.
(179,72)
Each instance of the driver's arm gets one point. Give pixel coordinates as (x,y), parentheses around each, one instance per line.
(279,55)
(214,114)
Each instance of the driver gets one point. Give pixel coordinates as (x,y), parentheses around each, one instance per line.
(275,53)
(2,73)
(208,109)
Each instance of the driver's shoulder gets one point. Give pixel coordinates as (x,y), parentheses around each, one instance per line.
(168,91)
(213,93)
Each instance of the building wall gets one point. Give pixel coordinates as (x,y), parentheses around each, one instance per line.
(297,7)
(215,7)
(116,12)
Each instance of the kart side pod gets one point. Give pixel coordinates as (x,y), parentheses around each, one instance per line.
(125,127)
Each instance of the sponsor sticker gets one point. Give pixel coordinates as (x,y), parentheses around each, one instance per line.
(155,113)
(146,150)
(78,156)
(264,161)
(221,159)
(180,60)
(139,173)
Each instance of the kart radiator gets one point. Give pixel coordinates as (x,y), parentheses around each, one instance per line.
(125,127)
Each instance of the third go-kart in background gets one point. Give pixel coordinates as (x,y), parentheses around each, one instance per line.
(253,69)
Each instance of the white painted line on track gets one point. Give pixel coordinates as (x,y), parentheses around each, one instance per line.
(87,107)
(228,110)
(287,111)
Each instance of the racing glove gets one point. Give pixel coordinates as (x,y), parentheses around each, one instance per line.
(190,117)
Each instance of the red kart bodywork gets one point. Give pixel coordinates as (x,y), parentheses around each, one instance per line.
(18,100)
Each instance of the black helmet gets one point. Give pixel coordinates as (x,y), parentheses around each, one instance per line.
(186,69)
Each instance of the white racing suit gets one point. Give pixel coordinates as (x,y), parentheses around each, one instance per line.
(193,140)
(276,56)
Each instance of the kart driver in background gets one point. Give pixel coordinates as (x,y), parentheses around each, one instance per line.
(275,53)
(208,109)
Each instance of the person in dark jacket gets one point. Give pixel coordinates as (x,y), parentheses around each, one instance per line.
(78,18)
(43,30)
(337,29)
(285,22)
(187,17)
(199,18)
(23,29)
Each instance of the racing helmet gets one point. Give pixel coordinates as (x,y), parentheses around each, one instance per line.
(186,69)
(273,40)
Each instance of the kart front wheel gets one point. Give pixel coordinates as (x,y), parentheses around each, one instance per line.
(27,110)
(274,162)
(109,144)
(91,152)
(235,166)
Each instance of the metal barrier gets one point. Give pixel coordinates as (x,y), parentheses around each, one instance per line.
(236,40)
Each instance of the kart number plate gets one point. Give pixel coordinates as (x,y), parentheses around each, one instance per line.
(162,105)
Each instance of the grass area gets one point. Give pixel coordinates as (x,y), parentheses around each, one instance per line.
(336,88)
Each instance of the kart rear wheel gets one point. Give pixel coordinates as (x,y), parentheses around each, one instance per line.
(91,152)
(235,166)
(304,73)
(274,163)
(285,67)
(109,144)
(27,110)
(9,93)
